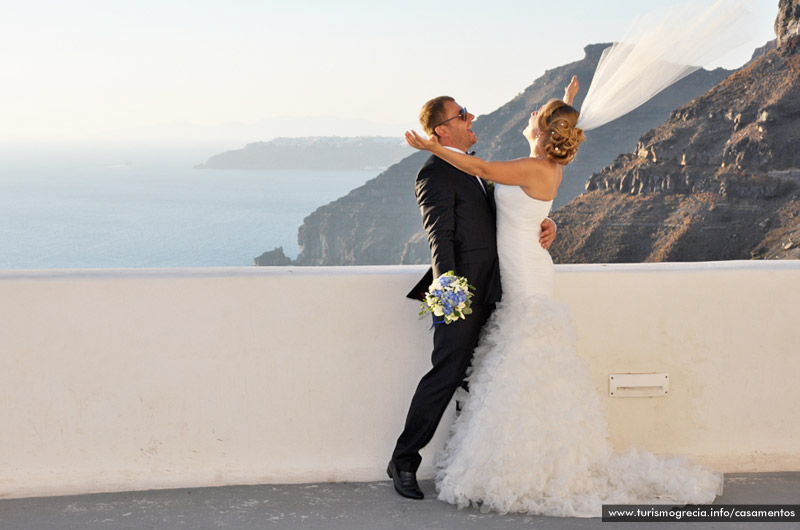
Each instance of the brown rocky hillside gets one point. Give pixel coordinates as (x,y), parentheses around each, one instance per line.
(719,180)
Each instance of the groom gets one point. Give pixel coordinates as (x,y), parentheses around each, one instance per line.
(458,214)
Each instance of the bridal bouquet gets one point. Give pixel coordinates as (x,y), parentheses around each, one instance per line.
(449,297)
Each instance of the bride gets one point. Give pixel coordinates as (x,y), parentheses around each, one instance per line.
(530,438)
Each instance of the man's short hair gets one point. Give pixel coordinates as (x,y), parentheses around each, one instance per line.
(432,114)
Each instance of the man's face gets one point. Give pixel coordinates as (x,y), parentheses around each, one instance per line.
(456,133)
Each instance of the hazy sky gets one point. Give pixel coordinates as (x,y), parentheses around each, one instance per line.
(87,70)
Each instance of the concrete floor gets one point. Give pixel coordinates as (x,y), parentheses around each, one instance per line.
(348,506)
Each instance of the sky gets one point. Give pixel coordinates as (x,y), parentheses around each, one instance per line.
(94,71)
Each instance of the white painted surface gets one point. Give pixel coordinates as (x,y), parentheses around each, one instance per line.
(138,379)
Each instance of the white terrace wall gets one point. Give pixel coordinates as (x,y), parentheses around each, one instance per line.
(138,379)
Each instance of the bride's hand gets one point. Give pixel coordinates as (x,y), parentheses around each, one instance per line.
(570,90)
(418,142)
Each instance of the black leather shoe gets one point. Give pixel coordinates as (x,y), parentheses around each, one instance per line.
(405,482)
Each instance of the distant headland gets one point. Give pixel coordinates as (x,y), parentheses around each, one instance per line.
(314,152)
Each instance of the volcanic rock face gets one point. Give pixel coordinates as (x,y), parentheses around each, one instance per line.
(274,257)
(718,180)
(369,226)
(763,50)
(787,25)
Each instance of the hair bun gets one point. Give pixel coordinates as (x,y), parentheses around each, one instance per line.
(559,120)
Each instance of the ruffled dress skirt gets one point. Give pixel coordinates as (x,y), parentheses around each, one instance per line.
(532,436)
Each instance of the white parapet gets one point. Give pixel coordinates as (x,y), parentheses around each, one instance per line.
(138,379)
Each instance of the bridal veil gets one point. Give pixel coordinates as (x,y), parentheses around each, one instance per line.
(659,49)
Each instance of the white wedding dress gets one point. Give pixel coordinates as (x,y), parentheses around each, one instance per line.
(531,436)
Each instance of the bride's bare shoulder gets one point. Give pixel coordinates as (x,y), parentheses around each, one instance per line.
(545,180)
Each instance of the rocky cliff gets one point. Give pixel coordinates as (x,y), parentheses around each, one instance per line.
(787,24)
(720,179)
(371,225)
(379,223)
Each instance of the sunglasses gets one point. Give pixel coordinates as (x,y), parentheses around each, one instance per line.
(461,114)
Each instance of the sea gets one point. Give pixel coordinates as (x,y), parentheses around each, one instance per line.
(84,214)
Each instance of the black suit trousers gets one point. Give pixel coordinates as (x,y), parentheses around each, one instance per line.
(453,345)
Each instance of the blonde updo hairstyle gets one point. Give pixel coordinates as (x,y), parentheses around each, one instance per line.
(557,120)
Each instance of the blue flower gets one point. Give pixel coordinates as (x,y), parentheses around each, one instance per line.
(450,298)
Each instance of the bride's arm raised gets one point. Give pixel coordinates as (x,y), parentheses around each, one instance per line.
(571,90)
(520,172)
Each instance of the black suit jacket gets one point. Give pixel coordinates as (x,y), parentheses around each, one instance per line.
(459,218)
